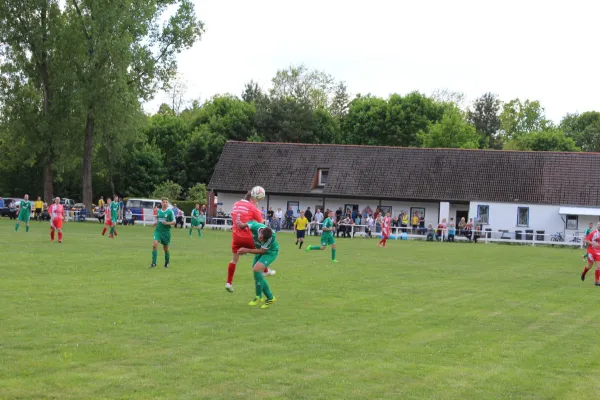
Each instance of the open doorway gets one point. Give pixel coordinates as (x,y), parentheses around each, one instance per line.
(462,214)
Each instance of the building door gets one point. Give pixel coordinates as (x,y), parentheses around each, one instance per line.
(462,214)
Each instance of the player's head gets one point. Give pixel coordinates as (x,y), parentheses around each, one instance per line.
(265,234)
(330,214)
(26,197)
(387,214)
(108,200)
(116,198)
(39,198)
(197,206)
(165,203)
(301,213)
(57,200)
(591,223)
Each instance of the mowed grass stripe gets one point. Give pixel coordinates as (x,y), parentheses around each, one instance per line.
(88,319)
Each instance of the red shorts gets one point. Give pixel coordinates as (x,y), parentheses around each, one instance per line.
(107,221)
(240,241)
(56,224)
(385,234)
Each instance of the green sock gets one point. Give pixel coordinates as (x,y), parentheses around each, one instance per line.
(112,230)
(266,289)
(314,247)
(26,228)
(199,233)
(16,227)
(167,257)
(258,280)
(332,254)
(191,229)
(154,254)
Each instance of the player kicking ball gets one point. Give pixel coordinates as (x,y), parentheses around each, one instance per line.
(265,254)
(326,237)
(162,234)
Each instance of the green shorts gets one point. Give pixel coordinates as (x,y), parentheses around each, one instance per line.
(195,223)
(265,259)
(163,238)
(327,240)
(24,217)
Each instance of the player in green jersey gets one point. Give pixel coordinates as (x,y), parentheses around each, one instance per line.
(24,213)
(326,237)
(162,234)
(198,220)
(587,232)
(114,216)
(265,254)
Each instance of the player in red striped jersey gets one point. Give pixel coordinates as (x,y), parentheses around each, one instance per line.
(385,230)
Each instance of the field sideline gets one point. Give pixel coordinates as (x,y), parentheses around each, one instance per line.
(88,319)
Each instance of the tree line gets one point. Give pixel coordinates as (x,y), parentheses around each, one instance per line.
(83,133)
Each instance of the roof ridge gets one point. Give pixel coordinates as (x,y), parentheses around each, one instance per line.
(414,148)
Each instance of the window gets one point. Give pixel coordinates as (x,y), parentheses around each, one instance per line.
(349,208)
(323,176)
(483,214)
(572,221)
(385,209)
(523,216)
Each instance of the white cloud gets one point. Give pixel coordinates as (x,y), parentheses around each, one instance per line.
(541,50)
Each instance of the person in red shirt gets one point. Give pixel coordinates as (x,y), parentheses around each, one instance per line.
(385,230)
(243,211)
(593,253)
(57,214)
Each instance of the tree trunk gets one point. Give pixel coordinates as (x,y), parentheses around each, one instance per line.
(48,181)
(45,79)
(87,159)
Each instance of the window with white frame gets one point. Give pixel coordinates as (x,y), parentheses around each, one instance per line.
(522,216)
(483,214)
(323,176)
(572,221)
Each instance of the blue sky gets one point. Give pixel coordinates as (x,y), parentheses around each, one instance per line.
(540,50)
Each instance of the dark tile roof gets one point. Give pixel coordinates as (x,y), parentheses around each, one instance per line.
(411,173)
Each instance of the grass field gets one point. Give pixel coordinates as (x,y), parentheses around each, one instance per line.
(89,320)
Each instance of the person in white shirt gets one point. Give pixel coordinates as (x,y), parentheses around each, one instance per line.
(370,224)
(278,217)
(318,218)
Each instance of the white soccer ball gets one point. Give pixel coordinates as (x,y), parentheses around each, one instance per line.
(258,193)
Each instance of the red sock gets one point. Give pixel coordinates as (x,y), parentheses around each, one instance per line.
(60,238)
(52,235)
(266,270)
(585,270)
(381,241)
(230,272)
(384,241)
(597,275)
(103,231)
(115,231)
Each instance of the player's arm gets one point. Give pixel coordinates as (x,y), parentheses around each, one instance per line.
(243,250)
(295,225)
(172,222)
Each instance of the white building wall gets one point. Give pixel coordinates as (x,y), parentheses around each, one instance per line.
(541,217)
(276,202)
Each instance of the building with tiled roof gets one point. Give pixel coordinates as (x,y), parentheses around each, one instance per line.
(509,190)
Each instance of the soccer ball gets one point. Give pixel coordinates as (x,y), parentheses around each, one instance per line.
(257,193)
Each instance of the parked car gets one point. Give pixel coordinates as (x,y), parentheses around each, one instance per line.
(5,211)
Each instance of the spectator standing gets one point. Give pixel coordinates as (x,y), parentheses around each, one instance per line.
(451,230)
(175,213)
(415,223)
(12,210)
(179,219)
(278,217)
(270,215)
(318,218)
(289,216)
(1,202)
(308,214)
(38,207)
(101,202)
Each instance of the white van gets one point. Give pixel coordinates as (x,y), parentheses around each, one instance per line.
(143,209)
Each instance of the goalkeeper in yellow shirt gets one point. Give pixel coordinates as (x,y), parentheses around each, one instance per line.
(300,228)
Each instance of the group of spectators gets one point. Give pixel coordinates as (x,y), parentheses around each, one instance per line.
(448,231)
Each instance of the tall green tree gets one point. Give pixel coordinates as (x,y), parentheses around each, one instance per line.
(548,140)
(520,117)
(30,34)
(366,121)
(484,115)
(584,129)
(227,116)
(121,53)
(453,131)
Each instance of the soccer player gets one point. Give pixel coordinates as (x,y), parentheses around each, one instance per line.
(326,237)
(107,218)
(115,208)
(265,254)
(197,220)
(593,249)
(24,213)
(243,211)
(300,228)
(385,230)
(165,219)
(587,232)
(57,214)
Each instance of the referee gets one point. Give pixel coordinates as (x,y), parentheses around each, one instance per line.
(300,228)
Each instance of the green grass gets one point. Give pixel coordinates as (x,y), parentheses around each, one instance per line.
(88,320)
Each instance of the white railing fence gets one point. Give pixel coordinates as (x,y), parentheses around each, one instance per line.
(528,237)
